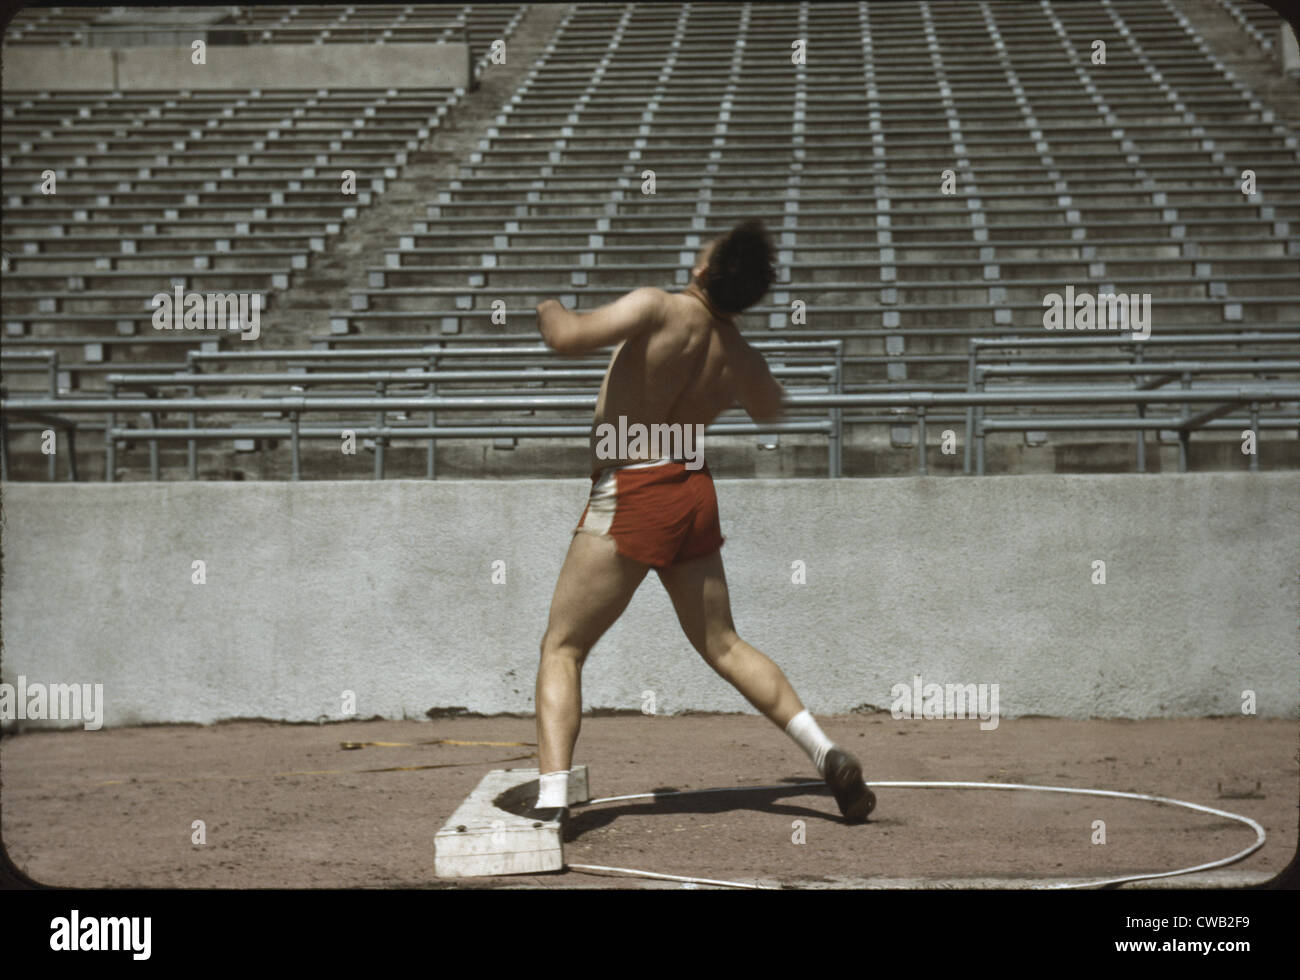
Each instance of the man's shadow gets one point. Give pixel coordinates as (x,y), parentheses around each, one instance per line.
(765,799)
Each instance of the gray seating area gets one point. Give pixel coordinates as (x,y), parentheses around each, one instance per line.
(1125,182)
(477,24)
(209,191)
(1260,22)
(929,174)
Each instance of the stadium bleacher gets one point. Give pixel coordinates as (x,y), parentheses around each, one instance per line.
(1261,23)
(477,24)
(929,174)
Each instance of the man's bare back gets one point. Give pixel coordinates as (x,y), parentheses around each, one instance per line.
(674,374)
(677,361)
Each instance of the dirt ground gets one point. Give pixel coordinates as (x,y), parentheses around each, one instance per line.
(287,806)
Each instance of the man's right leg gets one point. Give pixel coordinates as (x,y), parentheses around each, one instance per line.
(698,589)
(595,585)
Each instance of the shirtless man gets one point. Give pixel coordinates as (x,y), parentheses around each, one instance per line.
(678,359)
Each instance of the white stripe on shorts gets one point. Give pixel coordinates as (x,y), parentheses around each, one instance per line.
(602,504)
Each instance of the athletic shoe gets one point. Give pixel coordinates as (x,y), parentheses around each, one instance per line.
(844,777)
(553,814)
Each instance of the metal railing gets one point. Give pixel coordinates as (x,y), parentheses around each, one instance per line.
(427,375)
(1220,399)
(1137,368)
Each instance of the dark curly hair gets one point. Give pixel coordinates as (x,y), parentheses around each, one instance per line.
(740,269)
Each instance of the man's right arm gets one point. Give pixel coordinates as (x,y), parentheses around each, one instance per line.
(567,332)
(758,392)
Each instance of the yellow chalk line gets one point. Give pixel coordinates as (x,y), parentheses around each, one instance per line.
(309,772)
(445,765)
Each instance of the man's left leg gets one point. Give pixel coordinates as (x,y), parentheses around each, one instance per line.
(595,585)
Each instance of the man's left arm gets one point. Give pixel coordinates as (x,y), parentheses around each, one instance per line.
(567,332)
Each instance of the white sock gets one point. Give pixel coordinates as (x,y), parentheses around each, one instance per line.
(804,730)
(554,790)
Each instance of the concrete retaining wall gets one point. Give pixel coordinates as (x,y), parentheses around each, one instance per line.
(268,66)
(386,589)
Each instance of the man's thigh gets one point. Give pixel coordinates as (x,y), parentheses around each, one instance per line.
(698,589)
(596,583)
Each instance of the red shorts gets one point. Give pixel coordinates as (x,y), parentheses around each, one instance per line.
(656,513)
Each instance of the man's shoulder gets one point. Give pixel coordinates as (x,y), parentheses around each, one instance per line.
(647,305)
(684,314)
(649,295)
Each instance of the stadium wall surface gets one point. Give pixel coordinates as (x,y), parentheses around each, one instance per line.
(386,589)
(228,66)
